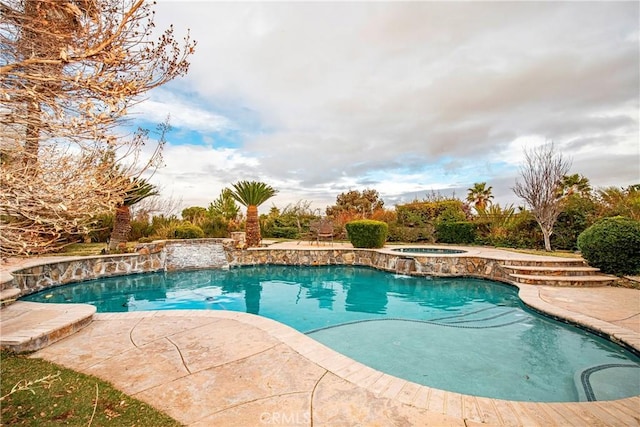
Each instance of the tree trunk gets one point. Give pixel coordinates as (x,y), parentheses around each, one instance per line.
(121,228)
(253,227)
(547,239)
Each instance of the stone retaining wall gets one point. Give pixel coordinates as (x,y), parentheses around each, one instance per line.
(33,279)
(173,255)
(419,265)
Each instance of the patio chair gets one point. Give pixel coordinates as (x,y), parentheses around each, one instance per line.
(322,230)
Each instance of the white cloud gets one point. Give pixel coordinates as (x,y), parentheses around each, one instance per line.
(405,96)
(197,174)
(183,114)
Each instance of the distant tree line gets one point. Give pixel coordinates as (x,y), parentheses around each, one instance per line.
(436,218)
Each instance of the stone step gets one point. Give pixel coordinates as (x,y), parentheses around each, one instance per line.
(29,326)
(8,296)
(577,281)
(560,262)
(552,270)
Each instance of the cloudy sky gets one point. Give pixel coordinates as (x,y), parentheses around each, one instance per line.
(318,98)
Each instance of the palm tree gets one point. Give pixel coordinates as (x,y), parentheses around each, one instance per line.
(575,184)
(480,196)
(140,189)
(252,194)
(225,206)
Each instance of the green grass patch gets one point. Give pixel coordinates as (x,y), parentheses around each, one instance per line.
(88,249)
(46,394)
(82,249)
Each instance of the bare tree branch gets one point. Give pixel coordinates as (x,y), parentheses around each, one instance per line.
(542,174)
(69,71)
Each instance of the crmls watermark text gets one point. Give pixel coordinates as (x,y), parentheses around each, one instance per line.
(285,418)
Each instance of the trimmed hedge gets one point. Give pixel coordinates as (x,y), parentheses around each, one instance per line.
(399,233)
(612,245)
(188,231)
(285,232)
(456,232)
(367,233)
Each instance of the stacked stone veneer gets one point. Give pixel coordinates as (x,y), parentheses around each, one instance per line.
(221,253)
(422,265)
(198,253)
(39,277)
(157,256)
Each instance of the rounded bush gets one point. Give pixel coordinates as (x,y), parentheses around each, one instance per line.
(367,233)
(188,231)
(612,245)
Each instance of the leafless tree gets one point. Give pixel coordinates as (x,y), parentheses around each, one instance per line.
(542,174)
(69,71)
(157,205)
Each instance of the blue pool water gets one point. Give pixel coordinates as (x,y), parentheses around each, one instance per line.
(465,335)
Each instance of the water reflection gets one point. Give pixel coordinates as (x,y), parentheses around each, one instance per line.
(336,288)
(252,298)
(469,320)
(366,298)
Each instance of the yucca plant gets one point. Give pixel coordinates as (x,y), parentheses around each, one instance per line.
(140,189)
(252,194)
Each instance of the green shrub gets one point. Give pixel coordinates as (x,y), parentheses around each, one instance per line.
(416,214)
(367,233)
(285,232)
(456,232)
(612,245)
(102,228)
(400,233)
(188,231)
(214,226)
(577,214)
(139,230)
(164,227)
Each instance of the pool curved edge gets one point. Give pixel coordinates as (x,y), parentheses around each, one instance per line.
(385,386)
(530,296)
(38,274)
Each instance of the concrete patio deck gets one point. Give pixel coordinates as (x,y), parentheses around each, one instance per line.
(235,369)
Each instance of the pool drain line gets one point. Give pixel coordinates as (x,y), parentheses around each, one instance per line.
(448,325)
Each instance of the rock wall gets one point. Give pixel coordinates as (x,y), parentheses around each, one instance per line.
(172,255)
(423,265)
(39,277)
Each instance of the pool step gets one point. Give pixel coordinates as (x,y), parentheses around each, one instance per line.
(560,262)
(568,280)
(30,326)
(8,296)
(563,272)
(535,270)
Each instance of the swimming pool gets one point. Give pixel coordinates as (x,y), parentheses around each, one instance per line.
(471,336)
